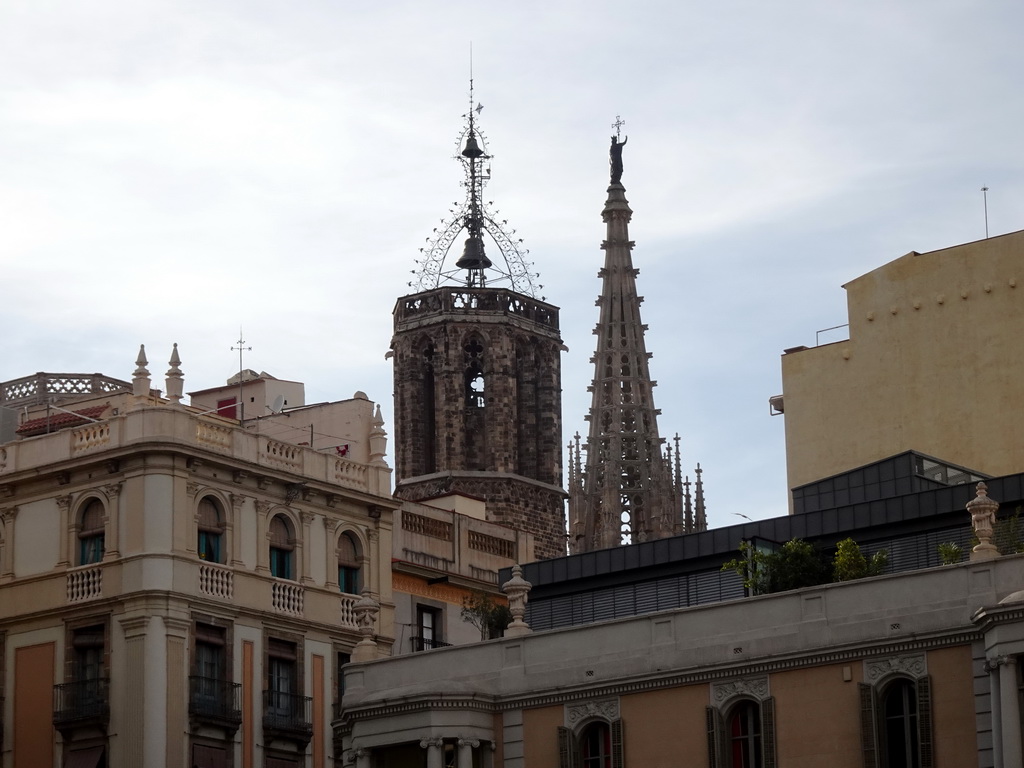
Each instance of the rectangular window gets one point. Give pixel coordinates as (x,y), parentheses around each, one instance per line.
(210,668)
(280,563)
(348,579)
(209,546)
(90,549)
(428,624)
(282,682)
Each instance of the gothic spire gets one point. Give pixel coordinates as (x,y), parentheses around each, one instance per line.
(629,491)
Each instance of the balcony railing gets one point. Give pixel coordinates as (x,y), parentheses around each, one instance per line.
(85,583)
(286,597)
(215,701)
(81,703)
(426,644)
(287,716)
(216,581)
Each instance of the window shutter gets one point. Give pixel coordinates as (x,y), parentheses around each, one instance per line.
(565,748)
(617,748)
(768,732)
(924,720)
(715,733)
(868,734)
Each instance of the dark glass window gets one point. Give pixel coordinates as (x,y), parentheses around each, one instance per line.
(91,534)
(281,548)
(900,745)
(596,746)
(348,564)
(210,531)
(744,728)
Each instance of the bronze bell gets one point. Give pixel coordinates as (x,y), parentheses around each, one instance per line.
(472,149)
(473,256)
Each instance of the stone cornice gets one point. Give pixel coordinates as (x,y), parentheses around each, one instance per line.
(705,674)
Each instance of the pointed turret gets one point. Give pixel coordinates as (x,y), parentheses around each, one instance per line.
(628,492)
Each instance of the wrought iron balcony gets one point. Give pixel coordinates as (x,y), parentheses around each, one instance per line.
(81,704)
(215,702)
(287,716)
(426,643)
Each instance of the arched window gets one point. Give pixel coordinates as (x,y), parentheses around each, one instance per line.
(896,718)
(211,531)
(474,357)
(348,564)
(900,743)
(282,546)
(91,533)
(741,729)
(598,745)
(744,733)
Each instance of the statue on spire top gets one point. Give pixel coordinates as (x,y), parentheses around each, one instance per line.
(615,155)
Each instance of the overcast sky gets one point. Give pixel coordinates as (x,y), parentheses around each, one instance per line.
(171,171)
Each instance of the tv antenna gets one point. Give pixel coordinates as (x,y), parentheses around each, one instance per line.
(241,348)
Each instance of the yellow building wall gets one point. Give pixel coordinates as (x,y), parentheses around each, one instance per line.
(540,735)
(660,726)
(934,364)
(818,720)
(953,725)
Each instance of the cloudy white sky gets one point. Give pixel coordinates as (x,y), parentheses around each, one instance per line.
(171,171)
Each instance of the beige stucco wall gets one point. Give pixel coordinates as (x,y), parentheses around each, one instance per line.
(934,363)
(818,716)
(659,726)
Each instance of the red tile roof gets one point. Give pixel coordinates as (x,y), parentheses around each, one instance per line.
(60,420)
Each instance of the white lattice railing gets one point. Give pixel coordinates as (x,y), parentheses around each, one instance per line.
(85,583)
(89,437)
(348,615)
(216,581)
(286,597)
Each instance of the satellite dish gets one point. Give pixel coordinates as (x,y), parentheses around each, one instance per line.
(277,405)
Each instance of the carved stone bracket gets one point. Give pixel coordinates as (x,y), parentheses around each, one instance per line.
(911,665)
(748,687)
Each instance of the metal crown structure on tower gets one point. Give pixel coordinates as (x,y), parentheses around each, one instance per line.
(628,489)
(475,216)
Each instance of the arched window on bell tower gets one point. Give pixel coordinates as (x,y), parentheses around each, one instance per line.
(475,398)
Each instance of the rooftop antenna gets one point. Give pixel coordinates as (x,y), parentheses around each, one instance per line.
(984,196)
(240,348)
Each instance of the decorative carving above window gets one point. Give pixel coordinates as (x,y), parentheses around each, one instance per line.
(748,687)
(913,666)
(607,709)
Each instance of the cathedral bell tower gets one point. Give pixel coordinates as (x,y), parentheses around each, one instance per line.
(477,365)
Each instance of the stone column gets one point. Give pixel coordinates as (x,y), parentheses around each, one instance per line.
(8,514)
(1009,712)
(263,537)
(435,757)
(66,529)
(331,532)
(112,543)
(466,747)
(304,547)
(233,529)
